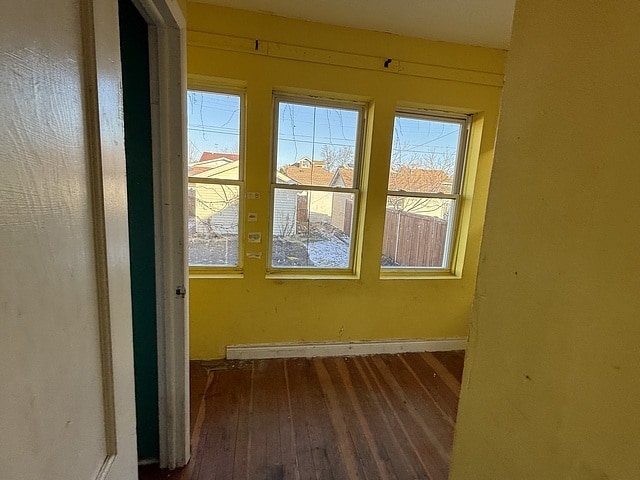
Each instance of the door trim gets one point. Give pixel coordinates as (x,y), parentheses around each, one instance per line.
(102,77)
(94,127)
(167,61)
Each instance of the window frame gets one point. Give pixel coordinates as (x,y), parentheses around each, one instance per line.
(240,182)
(457,193)
(356,188)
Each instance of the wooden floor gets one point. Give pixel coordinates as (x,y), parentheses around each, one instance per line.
(376,417)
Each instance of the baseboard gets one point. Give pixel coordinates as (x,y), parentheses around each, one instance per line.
(342,349)
(147,461)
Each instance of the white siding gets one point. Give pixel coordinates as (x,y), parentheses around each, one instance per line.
(285,206)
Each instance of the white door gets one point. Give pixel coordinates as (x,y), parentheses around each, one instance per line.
(66,369)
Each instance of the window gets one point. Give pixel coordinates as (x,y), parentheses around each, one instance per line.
(315,183)
(423,199)
(215,172)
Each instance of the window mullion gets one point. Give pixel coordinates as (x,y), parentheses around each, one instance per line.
(314,188)
(400,193)
(215,181)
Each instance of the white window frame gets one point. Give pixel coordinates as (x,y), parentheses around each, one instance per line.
(240,182)
(453,228)
(356,188)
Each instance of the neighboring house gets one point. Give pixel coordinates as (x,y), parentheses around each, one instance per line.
(313,172)
(404,179)
(308,172)
(228,157)
(285,208)
(342,205)
(213,208)
(420,180)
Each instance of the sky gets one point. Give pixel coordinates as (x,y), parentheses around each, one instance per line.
(213,123)
(303,130)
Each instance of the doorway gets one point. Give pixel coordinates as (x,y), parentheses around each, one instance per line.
(134,51)
(154,92)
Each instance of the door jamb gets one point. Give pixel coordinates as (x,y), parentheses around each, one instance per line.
(167,61)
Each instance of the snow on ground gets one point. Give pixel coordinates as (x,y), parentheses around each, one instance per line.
(328,248)
(329,253)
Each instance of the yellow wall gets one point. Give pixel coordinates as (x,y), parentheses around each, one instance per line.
(183,6)
(552,380)
(301,55)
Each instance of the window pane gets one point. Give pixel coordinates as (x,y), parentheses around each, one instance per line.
(424,155)
(213,135)
(316,145)
(213,224)
(417,232)
(311,229)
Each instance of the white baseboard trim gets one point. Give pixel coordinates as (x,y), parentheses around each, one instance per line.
(342,349)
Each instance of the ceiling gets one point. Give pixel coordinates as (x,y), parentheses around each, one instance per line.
(485,23)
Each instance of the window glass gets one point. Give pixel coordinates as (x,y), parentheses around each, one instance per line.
(424,191)
(304,235)
(424,155)
(316,165)
(215,174)
(314,141)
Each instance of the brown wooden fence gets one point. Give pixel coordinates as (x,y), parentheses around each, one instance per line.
(414,240)
(303,209)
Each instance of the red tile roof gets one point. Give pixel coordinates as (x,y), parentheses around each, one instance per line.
(233,157)
(347,176)
(314,175)
(420,180)
(209,161)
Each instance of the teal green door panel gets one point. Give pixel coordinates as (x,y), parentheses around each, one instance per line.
(134,46)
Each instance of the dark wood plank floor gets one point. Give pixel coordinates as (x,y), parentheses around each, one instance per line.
(376,417)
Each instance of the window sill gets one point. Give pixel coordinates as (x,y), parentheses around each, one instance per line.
(419,275)
(214,272)
(309,275)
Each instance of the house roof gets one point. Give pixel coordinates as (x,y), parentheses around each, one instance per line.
(197,168)
(406,179)
(211,164)
(316,174)
(420,180)
(346,174)
(282,178)
(231,157)
(221,171)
